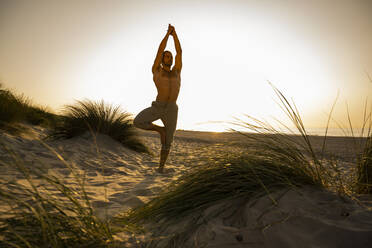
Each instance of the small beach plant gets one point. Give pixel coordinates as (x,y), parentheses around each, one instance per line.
(98,117)
(15,108)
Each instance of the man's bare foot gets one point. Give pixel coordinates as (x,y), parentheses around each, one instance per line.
(161,169)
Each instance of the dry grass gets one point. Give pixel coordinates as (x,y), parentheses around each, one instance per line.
(98,117)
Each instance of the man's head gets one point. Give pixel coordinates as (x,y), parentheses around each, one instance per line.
(167,59)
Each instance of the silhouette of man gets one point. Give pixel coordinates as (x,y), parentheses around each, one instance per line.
(167,83)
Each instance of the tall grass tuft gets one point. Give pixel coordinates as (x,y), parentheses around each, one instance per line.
(38,218)
(98,117)
(364,168)
(364,180)
(285,141)
(363,151)
(18,108)
(9,107)
(253,174)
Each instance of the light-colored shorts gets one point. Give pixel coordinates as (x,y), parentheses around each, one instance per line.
(167,112)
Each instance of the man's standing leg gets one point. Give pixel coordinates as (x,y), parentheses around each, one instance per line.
(170,124)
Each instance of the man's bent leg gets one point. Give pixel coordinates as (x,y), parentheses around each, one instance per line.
(144,121)
(160,130)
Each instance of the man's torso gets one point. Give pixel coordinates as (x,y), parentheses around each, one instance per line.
(167,84)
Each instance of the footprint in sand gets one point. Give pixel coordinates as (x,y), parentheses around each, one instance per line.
(167,171)
(155,172)
(64,172)
(123,173)
(92,174)
(129,167)
(118,197)
(107,171)
(100,183)
(133,201)
(156,189)
(125,183)
(100,204)
(151,163)
(143,192)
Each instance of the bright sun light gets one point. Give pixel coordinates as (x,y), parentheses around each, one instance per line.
(219,81)
(231,50)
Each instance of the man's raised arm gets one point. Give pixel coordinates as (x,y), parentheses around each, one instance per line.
(178,62)
(161,48)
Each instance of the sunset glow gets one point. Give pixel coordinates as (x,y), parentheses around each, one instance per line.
(56,52)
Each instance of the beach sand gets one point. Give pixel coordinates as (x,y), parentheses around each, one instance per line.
(118,179)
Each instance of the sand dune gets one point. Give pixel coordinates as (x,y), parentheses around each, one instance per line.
(118,179)
(305,218)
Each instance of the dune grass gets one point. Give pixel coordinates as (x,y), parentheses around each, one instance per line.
(363,183)
(234,176)
(98,117)
(274,160)
(37,218)
(16,108)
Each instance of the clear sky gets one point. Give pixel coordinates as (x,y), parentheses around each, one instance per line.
(59,51)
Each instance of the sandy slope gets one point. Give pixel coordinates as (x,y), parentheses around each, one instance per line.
(298,219)
(118,179)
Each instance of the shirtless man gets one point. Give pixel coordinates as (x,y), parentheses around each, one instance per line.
(167,83)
